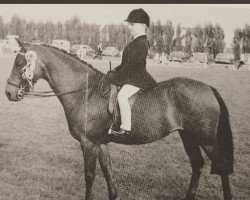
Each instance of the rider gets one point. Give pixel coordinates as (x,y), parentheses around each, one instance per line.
(131,74)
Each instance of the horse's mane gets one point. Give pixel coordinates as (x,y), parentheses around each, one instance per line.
(73,57)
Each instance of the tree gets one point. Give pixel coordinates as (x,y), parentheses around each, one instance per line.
(41,31)
(236,43)
(95,35)
(17,26)
(2,28)
(246,39)
(219,44)
(241,41)
(160,37)
(111,33)
(59,30)
(49,32)
(177,44)
(152,35)
(75,30)
(30,31)
(188,42)
(209,39)
(168,30)
(199,39)
(122,36)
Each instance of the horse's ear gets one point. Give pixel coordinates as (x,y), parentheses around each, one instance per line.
(21,44)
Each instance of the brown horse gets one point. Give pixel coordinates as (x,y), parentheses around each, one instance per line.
(191,107)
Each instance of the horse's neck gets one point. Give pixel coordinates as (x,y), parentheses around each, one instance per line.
(65,76)
(78,105)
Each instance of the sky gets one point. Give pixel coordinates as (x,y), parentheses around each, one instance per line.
(229,16)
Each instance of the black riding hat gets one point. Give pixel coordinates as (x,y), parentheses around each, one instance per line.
(138,16)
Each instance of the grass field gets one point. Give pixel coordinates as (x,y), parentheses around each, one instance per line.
(39,159)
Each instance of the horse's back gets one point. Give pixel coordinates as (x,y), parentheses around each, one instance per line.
(175,104)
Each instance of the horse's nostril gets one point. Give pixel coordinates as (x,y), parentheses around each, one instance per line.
(8,94)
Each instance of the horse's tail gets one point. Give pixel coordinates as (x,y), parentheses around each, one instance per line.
(224,137)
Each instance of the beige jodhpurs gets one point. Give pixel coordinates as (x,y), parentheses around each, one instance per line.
(123,96)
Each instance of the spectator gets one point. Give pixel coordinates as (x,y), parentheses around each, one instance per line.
(99,51)
(242,59)
(163,58)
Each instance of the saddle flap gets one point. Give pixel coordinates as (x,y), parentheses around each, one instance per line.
(113,98)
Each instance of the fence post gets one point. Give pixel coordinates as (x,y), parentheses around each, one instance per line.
(110,67)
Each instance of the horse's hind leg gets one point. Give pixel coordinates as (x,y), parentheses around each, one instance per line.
(226,187)
(104,160)
(218,168)
(193,150)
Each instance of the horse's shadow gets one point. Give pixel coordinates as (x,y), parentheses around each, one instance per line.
(151,188)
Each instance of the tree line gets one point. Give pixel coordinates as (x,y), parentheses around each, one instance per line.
(163,37)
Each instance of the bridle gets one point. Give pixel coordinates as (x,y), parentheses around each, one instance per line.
(27,74)
(27,79)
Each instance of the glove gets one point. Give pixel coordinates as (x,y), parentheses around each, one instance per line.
(111,75)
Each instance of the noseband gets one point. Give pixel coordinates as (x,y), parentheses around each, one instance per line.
(27,74)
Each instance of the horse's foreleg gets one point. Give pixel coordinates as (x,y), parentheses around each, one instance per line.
(90,155)
(197,162)
(104,159)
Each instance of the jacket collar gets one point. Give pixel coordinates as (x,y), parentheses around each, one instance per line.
(141,36)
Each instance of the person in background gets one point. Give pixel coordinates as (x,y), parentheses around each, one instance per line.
(99,51)
(83,53)
(131,75)
(163,59)
(242,59)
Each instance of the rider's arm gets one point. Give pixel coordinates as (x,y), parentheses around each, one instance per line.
(134,59)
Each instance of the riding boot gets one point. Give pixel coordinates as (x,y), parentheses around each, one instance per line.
(121,132)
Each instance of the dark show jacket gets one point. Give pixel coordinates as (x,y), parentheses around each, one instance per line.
(132,70)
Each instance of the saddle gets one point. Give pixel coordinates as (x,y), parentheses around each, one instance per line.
(114,106)
(106,87)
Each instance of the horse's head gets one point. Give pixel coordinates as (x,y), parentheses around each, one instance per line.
(27,69)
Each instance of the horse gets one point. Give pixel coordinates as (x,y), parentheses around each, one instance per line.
(193,109)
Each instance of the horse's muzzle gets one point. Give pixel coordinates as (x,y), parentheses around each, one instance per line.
(13,94)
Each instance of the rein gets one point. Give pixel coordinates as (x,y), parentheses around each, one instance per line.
(43,93)
(46,93)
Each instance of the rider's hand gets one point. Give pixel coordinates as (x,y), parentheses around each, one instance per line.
(110,75)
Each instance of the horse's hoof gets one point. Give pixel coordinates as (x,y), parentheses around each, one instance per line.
(114,198)
(189,198)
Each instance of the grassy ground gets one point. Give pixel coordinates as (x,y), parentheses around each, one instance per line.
(40,160)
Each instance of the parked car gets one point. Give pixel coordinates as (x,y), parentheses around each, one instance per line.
(198,57)
(178,56)
(111,51)
(61,44)
(37,41)
(76,50)
(224,58)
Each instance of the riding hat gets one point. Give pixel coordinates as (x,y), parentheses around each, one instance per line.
(138,16)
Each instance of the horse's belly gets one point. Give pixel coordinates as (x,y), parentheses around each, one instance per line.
(153,118)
